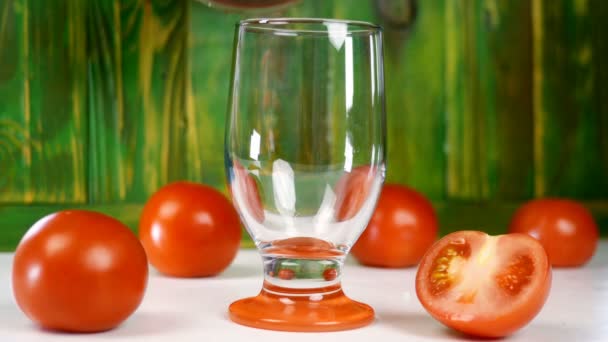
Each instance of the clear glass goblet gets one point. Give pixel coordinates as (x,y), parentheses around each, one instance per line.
(305,151)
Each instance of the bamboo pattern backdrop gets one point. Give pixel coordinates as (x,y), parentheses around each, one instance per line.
(489,102)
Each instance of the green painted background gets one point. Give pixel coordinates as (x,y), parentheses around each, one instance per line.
(489,102)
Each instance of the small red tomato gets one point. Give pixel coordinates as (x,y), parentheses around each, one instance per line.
(189,230)
(400,231)
(79,271)
(565,228)
(483,285)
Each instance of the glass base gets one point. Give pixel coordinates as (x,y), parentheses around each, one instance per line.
(308,310)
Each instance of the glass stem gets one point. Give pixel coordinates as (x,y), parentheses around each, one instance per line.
(302,273)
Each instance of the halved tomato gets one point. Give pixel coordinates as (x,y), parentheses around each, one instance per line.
(484,285)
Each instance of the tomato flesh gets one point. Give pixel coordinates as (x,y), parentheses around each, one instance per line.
(484,285)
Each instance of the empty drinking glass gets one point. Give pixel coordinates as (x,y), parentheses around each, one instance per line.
(305,151)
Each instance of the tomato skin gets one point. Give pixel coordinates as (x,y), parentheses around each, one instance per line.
(400,231)
(79,271)
(565,228)
(189,230)
(503,314)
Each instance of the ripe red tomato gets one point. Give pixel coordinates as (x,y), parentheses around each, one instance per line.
(189,230)
(484,285)
(79,271)
(400,231)
(565,228)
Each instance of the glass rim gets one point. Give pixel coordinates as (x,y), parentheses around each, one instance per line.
(277,26)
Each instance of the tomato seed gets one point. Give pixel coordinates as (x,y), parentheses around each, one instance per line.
(440,279)
(517,275)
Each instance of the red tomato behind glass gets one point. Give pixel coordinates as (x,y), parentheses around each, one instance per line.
(79,271)
(190,230)
(400,231)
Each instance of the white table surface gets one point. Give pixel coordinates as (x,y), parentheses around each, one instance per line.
(195,309)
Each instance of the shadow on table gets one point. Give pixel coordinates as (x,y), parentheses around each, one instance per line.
(242,271)
(12,319)
(140,324)
(422,325)
(561,332)
(232,272)
(151,324)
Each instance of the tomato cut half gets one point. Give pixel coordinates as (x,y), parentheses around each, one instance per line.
(484,285)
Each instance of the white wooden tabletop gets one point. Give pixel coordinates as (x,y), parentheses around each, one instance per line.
(196,309)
